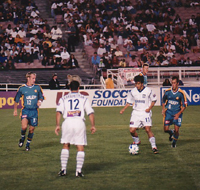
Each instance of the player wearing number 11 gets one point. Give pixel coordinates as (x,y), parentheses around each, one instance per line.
(73,106)
(143,100)
(32,96)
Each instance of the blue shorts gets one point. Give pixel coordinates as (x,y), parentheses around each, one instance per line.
(169,119)
(31,115)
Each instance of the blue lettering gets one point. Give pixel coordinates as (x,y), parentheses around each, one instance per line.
(99,102)
(122,92)
(114,92)
(94,102)
(107,94)
(98,94)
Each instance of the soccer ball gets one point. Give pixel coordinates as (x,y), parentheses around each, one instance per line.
(133,149)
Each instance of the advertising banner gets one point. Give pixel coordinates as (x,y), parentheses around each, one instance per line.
(192,94)
(7,100)
(97,97)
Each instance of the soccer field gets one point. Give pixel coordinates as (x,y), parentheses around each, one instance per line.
(108,165)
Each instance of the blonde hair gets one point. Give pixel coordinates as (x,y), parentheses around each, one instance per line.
(29,74)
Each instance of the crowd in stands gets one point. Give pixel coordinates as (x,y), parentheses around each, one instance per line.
(124,34)
(26,36)
(120,33)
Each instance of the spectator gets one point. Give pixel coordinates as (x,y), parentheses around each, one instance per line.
(188,61)
(101,50)
(54,83)
(118,53)
(65,55)
(45,61)
(133,62)
(109,82)
(73,62)
(122,63)
(28,58)
(95,61)
(166,82)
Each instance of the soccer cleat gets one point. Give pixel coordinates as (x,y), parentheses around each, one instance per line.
(171,136)
(28,148)
(173,145)
(137,143)
(79,174)
(155,150)
(21,143)
(62,173)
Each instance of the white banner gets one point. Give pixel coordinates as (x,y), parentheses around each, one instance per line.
(97,97)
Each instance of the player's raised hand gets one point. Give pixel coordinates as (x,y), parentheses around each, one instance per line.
(57,130)
(93,129)
(15,113)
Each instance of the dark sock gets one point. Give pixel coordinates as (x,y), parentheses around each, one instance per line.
(29,138)
(23,132)
(175,139)
(170,132)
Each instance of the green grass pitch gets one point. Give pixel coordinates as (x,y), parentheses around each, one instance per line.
(108,165)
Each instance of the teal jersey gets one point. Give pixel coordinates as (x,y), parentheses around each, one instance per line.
(30,95)
(174,101)
(145,78)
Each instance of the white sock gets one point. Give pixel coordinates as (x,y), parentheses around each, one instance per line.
(136,140)
(152,140)
(80,160)
(64,159)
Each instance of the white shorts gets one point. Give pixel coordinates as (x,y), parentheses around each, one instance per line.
(140,119)
(74,132)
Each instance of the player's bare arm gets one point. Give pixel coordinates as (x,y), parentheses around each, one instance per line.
(163,109)
(176,116)
(125,107)
(92,121)
(150,107)
(15,109)
(58,116)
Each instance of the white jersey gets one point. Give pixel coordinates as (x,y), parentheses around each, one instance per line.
(74,105)
(141,100)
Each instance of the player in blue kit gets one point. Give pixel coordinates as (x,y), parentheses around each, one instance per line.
(145,69)
(173,104)
(32,96)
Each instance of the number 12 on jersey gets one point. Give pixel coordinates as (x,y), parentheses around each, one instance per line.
(74,104)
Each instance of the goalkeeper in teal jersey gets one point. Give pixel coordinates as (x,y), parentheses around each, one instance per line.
(173,104)
(32,96)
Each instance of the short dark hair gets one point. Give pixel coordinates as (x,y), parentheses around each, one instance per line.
(74,85)
(145,64)
(139,78)
(175,78)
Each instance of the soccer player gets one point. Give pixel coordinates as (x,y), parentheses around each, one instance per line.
(173,104)
(32,95)
(143,100)
(145,69)
(73,107)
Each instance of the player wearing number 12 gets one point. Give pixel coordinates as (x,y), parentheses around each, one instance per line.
(143,100)
(32,96)
(73,106)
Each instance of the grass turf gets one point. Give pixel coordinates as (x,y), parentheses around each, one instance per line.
(108,164)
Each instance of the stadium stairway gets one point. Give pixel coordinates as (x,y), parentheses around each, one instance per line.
(85,71)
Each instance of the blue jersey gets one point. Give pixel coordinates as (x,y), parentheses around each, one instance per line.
(30,95)
(145,78)
(174,101)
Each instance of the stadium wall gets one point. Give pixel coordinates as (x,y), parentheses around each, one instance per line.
(98,97)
